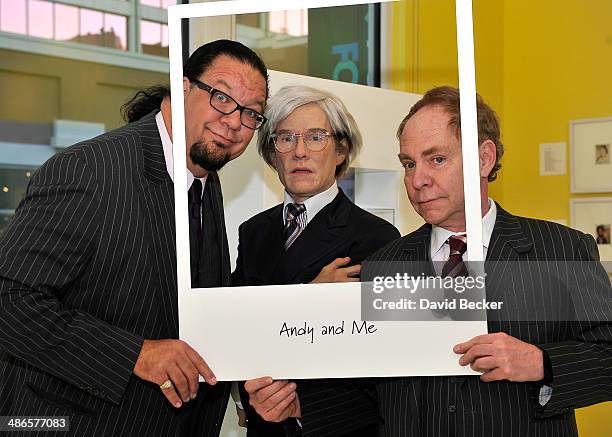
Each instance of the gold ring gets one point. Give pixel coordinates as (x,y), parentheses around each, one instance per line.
(166,385)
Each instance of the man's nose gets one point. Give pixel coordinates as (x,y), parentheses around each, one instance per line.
(300,151)
(232,120)
(421,177)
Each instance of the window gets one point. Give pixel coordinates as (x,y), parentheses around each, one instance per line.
(339,43)
(294,23)
(104,24)
(154,38)
(158,3)
(13,17)
(12,189)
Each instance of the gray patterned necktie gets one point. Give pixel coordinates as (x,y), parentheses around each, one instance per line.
(295,222)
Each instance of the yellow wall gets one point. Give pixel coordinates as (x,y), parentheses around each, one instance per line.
(556,69)
(540,64)
(39,89)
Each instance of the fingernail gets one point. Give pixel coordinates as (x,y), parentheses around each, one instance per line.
(178,405)
(292,386)
(213,381)
(193,395)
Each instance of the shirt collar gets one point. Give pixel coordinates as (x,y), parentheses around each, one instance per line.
(313,204)
(440,235)
(168,157)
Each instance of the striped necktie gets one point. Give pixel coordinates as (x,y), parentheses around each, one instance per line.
(295,222)
(455,266)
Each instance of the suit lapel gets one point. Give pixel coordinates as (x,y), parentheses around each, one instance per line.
(157,201)
(508,240)
(409,255)
(217,201)
(415,251)
(270,238)
(322,235)
(508,244)
(416,246)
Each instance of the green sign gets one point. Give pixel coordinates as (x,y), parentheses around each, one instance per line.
(339,40)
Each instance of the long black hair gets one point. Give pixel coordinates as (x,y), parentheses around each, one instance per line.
(149,99)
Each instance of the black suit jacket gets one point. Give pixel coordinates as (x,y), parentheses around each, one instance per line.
(580,351)
(87,271)
(340,229)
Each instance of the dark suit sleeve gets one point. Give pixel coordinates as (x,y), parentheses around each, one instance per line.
(372,241)
(48,247)
(582,368)
(238,273)
(333,407)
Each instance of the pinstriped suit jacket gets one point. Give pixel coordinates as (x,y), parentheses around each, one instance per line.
(580,353)
(87,271)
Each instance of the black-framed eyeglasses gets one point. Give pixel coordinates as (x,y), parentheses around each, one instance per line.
(225,104)
(314,139)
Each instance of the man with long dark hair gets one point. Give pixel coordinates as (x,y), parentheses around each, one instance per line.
(88,294)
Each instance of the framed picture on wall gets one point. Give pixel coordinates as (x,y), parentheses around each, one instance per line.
(594,216)
(591,155)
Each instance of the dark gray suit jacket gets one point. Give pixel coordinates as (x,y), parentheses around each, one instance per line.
(87,271)
(330,407)
(580,350)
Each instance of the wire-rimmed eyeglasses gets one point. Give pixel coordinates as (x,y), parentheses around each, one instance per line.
(314,139)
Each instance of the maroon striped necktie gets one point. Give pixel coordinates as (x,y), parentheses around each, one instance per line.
(455,266)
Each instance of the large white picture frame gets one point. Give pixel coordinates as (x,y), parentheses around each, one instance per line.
(219,322)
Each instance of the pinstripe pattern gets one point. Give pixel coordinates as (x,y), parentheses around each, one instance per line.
(87,271)
(580,352)
(330,407)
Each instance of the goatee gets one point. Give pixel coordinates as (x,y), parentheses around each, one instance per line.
(210,156)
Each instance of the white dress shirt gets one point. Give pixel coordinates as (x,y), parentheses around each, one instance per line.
(168,157)
(440,251)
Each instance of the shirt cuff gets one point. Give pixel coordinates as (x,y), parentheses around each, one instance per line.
(546,390)
(548,370)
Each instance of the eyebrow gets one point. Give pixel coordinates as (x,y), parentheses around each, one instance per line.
(427,152)
(307,130)
(431,151)
(222,82)
(261,103)
(402,156)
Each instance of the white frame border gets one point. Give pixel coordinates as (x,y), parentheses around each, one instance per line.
(574,203)
(573,151)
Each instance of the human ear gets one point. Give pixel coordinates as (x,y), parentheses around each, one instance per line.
(341,152)
(487,154)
